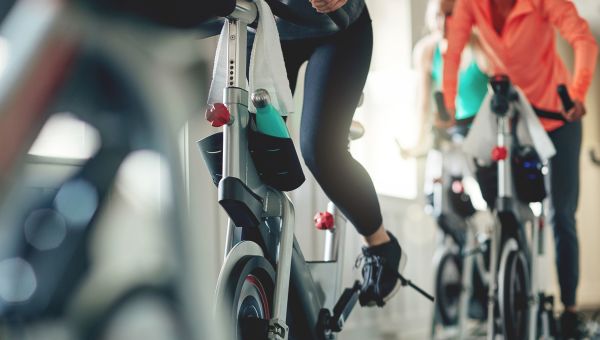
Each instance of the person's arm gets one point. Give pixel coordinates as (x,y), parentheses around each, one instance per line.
(479,54)
(563,15)
(458,34)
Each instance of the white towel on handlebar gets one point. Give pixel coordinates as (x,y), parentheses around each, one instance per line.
(267,68)
(482,136)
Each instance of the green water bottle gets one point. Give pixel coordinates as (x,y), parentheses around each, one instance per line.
(268,119)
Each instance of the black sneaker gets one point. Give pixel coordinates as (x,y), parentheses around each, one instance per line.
(381,265)
(572,326)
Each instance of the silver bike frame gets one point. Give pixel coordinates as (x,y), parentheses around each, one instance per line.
(236,157)
(237,163)
(505,190)
(504,139)
(440,207)
(334,241)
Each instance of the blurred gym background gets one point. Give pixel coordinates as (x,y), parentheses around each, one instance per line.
(130,244)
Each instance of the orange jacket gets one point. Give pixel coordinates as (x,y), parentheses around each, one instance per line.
(526,49)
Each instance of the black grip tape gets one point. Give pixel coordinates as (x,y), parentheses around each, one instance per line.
(566,100)
(441,106)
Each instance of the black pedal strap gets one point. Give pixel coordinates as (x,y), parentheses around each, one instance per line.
(406,282)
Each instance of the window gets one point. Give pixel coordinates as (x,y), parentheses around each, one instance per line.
(64,136)
(388,109)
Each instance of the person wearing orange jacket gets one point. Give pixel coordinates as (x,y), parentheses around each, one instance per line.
(519,39)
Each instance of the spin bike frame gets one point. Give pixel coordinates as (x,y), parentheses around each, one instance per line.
(250,203)
(445,144)
(506,203)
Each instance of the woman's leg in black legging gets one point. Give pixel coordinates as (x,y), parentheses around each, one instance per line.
(335,77)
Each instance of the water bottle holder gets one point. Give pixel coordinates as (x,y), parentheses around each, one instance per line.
(529,180)
(275,159)
(211,149)
(487,177)
(529,184)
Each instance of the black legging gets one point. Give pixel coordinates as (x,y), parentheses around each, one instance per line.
(335,77)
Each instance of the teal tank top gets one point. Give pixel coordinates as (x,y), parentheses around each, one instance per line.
(472,86)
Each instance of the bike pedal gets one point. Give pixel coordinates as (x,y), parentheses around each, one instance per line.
(341,311)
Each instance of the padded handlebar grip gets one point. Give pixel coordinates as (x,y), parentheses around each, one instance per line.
(441,106)
(340,18)
(566,100)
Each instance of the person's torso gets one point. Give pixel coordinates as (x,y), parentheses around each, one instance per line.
(525,50)
(472,85)
(321,24)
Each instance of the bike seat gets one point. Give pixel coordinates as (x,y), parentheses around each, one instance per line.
(504,93)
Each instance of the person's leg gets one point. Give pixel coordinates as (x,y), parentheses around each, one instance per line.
(564,193)
(335,78)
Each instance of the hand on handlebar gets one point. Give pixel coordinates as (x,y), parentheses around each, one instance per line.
(327,6)
(576,112)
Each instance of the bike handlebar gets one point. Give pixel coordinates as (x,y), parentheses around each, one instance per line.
(438,96)
(192,14)
(340,18)
(280,9)
(566,100)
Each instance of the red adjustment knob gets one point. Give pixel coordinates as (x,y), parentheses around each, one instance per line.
(324,221)
(218,115)
(457,187)
(499,153)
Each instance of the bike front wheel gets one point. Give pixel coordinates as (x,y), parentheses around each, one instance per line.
(513,294)
(449,288)
(248,298)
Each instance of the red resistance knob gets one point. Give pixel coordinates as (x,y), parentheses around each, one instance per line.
(218,115)
(499,153)
(457,187)
(324,221)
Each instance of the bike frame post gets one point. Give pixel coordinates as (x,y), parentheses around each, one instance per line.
(235,96)
(334,244)
(534,299)
(504,139)
(537,244)
(335,236)
(277,326)
(505,189)
(236,158)
(438,187)
(467,278)
(493,284)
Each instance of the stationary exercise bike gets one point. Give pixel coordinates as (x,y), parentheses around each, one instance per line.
(266,288)
(460,264)
(517,307)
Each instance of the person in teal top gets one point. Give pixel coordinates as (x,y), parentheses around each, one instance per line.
(428,61)
(472,86)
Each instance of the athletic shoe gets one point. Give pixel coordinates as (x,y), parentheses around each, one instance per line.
(381,265)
